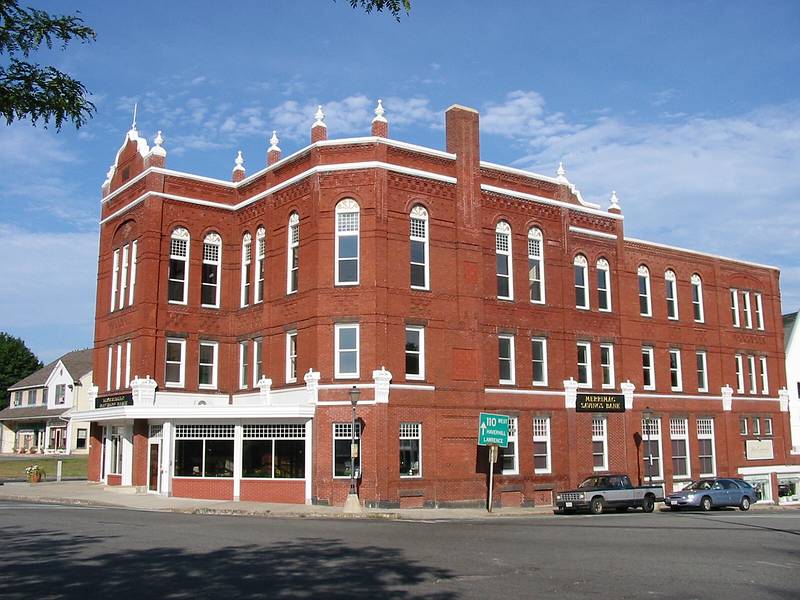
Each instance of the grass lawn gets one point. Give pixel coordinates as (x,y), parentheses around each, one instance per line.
(74,466)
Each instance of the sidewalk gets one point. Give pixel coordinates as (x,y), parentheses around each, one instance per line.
(95,494)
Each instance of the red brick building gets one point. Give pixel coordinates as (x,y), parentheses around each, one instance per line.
(233,319)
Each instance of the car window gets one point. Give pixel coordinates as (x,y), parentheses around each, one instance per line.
(729,485)
(717,486)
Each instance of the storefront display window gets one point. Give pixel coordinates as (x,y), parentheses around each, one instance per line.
(204,450)
(789,488)
(762,486)
(274,451)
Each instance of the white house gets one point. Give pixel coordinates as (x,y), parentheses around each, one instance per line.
(791,340)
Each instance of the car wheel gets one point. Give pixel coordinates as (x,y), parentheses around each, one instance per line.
(596,507)
(745,503)
(648,504)
(705,503)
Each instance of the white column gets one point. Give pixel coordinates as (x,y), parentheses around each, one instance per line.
(68,437)
(627,391)
(107,449)
(127,454)
(382,379)
(309,458)
(727,398)
(166,459)
(570,393)
(237,460)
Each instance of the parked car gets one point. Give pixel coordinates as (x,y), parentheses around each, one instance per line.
(599,492)
(713,492)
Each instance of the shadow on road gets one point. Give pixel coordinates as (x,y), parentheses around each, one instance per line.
(52,564)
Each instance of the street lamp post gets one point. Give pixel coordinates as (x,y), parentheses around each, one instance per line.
(353,504)
(647,415)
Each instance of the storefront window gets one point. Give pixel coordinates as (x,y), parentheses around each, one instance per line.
(219,458)
(789,488)
(274,451)
(188,458)
(762,487)
(204,450)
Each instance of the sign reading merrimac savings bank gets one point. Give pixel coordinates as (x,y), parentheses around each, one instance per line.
(113,401)
(600,403)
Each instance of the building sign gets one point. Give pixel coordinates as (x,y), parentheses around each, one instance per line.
(759,449)
(112,401)
(600,403)
(493,430)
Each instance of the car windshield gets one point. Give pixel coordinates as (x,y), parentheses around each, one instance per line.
(593,482)
(703,484)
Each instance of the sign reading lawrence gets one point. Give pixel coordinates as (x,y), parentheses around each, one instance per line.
(493,430)
(600,403)
(112,401)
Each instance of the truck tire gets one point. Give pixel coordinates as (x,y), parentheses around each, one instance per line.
(596,507)
(648,504)
(745,503)
(705,503)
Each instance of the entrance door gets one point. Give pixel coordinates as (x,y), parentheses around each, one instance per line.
(153,471)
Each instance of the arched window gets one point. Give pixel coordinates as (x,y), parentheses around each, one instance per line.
(645,306)
(209,285)
(418,239)
(347,243)
(581,269)
(293,257)
(178,284)
(697,298)
(261,256)
(603,285)
(671,285)
(505,283)
(536,265)
(247,258)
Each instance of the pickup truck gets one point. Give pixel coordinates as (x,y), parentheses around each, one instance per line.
(599,492)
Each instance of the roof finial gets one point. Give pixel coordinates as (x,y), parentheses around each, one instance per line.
(239,162)
(561,172)
(379,112)
(274,141)
(614,202)
(320,117)
(158,139)
(135,107)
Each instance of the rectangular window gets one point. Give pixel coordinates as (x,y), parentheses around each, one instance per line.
(209,280)
(645,306)
(679,439)
(675,376)
(415,353)
(599,444)
(208,365)
(505,290)
(702,371)
(123,277)
(410,450)
(204,450)
(128,364)
(651,448)
(510,456)
(118,373)
(418,239)
(581,271)
(61,393)
(743,425)
(603,286)
(115,450)
(767,425)
(759,312)
(539,360)
(746,308)
(114,279)
(735,307)
(109,367)
(31,397)
(178,268)
(756,426)
(705,443)
(134,249)
(274,451)
(291,356)
(584,364)
(258,360)
(243,363)
(505,356)
(541,445)
(672,296)
(342,439)
(739,374)
(175,363)
(293,256)
(247,257)
(648,369)
(261,259)
(607,365)
(80,440)
(347,347)
(751,368)
(697,299)
(764,379)
(347,229)
(17,398)
(535,266)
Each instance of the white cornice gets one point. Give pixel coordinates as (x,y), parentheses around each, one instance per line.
(600,234)
(708,254)
(535,198)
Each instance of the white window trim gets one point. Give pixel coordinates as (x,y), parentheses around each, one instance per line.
(513,437)
(258,351)
(534,233)
(260,269)
(546,439)
(114,279)
(294,221)
(612,376)
(134,258)
(421,331)
(652,368)
(109,369)
(643,271)
(118,372)
(751,367)
(735,307)
(214,365)
(418,437)
(213,239)
(182,382)
(655,437)
(512,361)
(347,206)
(604,268)
(503,228)
(679,370)
(581,263)
(601,437)
(748,310)
(243,352)
(685,437)
(702,353)
(711,436)
(743,421)
(123,278)
(697,284)
(357,438)
(759,311)
(588,347)
(421,214)
(337,369)
(764,377)
(739,373)
(128,364)
(181,234)
(247,260)
(672,294)
(289,335)
(768,426)
(543,382)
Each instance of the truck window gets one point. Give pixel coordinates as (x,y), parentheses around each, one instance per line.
(626,482)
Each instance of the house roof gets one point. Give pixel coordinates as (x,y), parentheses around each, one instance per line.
(789,322)
(30,413)
(77,363)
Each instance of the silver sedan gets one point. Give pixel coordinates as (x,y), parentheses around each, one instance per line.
(711,493)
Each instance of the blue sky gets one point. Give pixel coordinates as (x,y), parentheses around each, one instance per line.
(689,110)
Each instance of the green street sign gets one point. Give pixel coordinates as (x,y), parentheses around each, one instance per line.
(493,430)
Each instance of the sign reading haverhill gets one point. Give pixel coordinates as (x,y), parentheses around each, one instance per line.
(493,429)
(588,402)
(112,401)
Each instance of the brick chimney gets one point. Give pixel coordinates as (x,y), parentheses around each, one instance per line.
(463,139)
(238,168)
(274,152)
(380,126)
(319,131)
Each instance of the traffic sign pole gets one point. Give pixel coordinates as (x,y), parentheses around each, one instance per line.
(491,475)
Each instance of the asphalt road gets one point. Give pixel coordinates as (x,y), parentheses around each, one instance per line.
(76,552)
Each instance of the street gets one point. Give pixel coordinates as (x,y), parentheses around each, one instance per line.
(54,551)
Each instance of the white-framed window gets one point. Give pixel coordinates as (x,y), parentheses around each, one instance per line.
(258,360)
(415,352)
(747,309)
(247,259)
(505,277)
(603,285)
(114,442)
(767,425)
(109,368)
(347,242)
(542,462)
(293,254)
(743,425)
(600,444)
(419,248)
(347,350)
(607,365)
(705,447)
(342,450)
(751,368)
(134,259)
(651,448)
(739,373)
(274,451)
(209,285)
(679,440)
(61,393)
(756,426)
(410,450)
(759,311)
(584,350)
(764,378)
(675,375)
(539,361)
(671,283)
(244,360)
(291,356)
(580,267)
(123,283)
(701,365)
(204,451)
(118,377)
(114,279)
(536,265)
(648,369)
(735,307)
(505,358)
(175,363)
(645,303)
(178,284)
(207,362)
(261,259)
(510,462)
(697,298)
(128,364)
